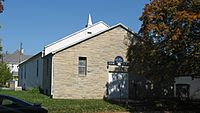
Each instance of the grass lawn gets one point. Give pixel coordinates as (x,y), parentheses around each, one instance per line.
(65,106)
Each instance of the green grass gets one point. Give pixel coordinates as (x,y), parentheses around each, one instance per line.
(65,106)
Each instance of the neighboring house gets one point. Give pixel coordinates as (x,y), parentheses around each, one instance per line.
(187,87)
(12,61)
(75,67)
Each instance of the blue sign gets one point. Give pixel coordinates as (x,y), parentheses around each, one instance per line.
(119,59)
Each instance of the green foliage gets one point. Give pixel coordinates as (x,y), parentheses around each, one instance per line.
(33,90)
(65,106)
(1,10)
(169,42)
(5,74)
(1,48)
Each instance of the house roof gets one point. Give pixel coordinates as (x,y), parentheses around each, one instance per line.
(30,58)
(75,37)
(14,58)
(71,41)
(93,35)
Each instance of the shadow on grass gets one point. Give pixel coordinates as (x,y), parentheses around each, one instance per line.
(158,106)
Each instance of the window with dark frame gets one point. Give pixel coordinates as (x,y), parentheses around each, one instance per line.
(25,72)
(21,73)
(82,66)
(37,68)
(47,66)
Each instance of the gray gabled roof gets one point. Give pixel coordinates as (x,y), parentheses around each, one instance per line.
(14,58)
(31,58)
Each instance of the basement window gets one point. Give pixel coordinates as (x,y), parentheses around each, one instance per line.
(82,66)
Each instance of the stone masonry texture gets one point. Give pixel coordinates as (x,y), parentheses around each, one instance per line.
(68,84)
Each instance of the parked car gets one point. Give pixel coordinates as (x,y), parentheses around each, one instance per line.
(9,104)
(4,109)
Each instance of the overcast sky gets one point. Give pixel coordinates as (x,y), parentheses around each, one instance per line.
(37,23)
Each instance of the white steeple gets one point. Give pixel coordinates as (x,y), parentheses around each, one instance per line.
(89,21)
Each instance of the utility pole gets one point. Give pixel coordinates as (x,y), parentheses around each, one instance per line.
(20,52)
(1,51)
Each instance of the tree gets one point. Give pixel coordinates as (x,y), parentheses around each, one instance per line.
(1,6)
(1,10)
(5,74)
(169,42)
(1,48)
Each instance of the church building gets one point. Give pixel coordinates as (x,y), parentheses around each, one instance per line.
(76,66)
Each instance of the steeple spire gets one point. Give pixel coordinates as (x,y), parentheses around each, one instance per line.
(89,21)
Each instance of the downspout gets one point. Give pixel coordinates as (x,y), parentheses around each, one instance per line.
(52,76)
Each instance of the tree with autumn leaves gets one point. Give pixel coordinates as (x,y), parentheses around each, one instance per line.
(1,6)
(168,44)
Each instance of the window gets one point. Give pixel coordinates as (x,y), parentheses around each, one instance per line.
(47,66)
(25,72)
(6,102)
(37,68)
(9,103)
(82,66)
(21,72)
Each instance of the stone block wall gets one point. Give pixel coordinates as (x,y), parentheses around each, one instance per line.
(68,84)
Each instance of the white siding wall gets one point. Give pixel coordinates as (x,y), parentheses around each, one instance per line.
(30,76)
(13,67)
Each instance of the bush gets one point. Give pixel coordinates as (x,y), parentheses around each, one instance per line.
(5,74)
(33,90)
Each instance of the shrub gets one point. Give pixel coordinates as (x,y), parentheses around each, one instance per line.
(5,74)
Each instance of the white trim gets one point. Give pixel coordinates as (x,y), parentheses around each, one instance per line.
(74,38)
(76,33)
(119,24)
(53,52)
(52,76)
